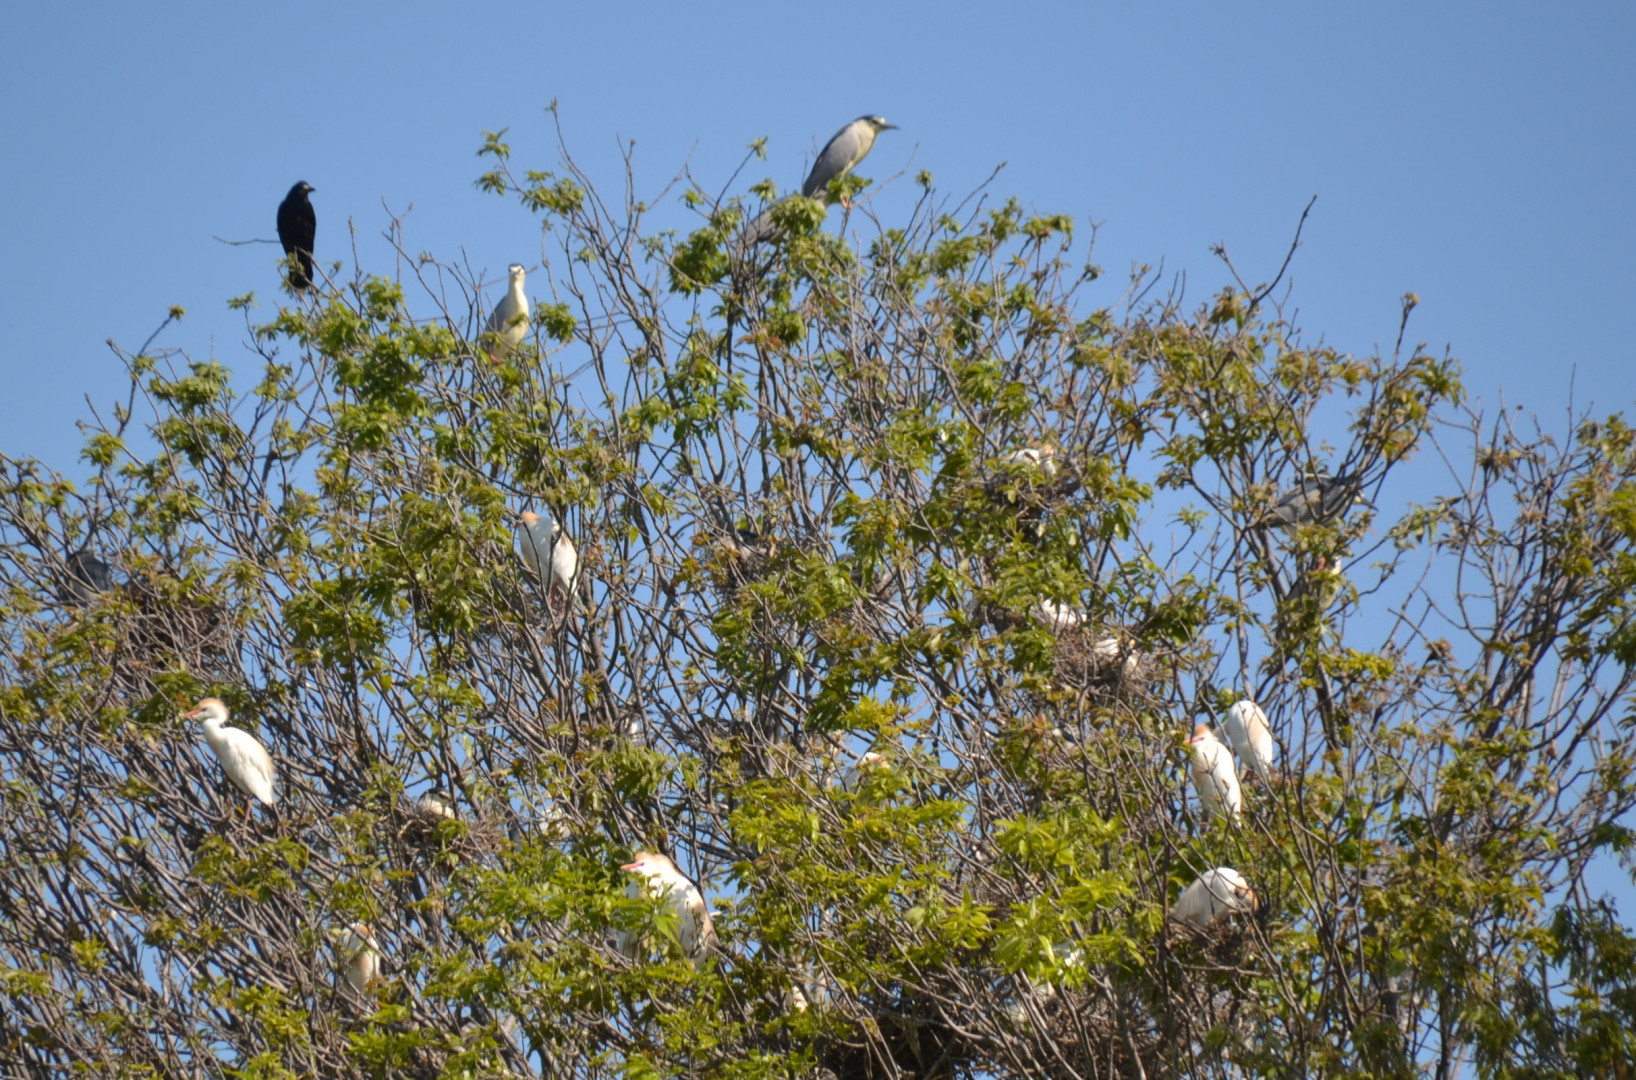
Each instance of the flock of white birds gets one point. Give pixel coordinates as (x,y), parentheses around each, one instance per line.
(548,552)
(550,555)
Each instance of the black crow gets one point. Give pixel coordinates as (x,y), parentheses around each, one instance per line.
(297,226)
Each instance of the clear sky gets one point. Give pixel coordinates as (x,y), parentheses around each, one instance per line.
(1483,156)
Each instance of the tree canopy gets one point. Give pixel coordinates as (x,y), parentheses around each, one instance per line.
(910,554)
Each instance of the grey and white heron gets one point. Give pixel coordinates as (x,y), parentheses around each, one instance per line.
(839,156)
(1213,895)
(844,150)
(1319,499)
(508,325)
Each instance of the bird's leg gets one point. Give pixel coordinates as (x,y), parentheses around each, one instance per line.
(248,806)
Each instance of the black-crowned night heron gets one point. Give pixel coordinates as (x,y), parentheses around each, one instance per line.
(842,153)
(297,229)
(839,156)
(1316,500)
(1213,894)
(508,325)
(87,576)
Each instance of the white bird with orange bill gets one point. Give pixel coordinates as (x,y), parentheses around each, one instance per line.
(1213,895)
(1251,737)
(657,877)
(1042,458)
(1213,774)
(244,760)
(548,551)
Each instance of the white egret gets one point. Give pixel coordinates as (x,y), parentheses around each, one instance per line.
(1251,737)
(1056,617)
(548,551)
(1213,774)
(244,760)
(867,763)
(658,877)
(508,325)
(1042,458)
(1213,894)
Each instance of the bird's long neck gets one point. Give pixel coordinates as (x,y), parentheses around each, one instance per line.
(214,732)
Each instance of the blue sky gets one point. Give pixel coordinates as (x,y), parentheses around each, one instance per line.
(1483,157)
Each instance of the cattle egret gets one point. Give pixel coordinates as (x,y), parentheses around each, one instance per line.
(1213,774)
(1251,738)
(548,551)
(1111,648)
(297,229)
(87,576)
(1042,457)
(657,877)
(859,770)
(1056,617)
(1314,501)
(508,325)
(245,760)
(360,956)
(1213,894)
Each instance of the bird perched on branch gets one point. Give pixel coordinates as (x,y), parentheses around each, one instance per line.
(508,325)
(1317,500)
(244,760)
(845,149)
(297,229)
(1213,775)
(548,551)
(658,877)
(858,771)
(360,956)
(87,577)
(1213,895)
(1251,738)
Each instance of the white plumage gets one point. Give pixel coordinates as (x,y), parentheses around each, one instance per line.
(1251,737)
(509,323)
(1042,457)
(548,551)
(244,760)
(1213,774)
(867,763)
(1056,617)
(1213,894)
(360,955)
(658,877)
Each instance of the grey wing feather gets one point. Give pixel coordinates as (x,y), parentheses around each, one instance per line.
(838,155)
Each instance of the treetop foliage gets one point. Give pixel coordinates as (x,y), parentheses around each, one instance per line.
(910,552)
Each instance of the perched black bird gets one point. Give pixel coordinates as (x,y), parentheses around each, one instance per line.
(87,576)
(297,226)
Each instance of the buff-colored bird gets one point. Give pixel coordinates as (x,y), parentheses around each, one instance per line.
(657,876)
(360,956)
(1251,738)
